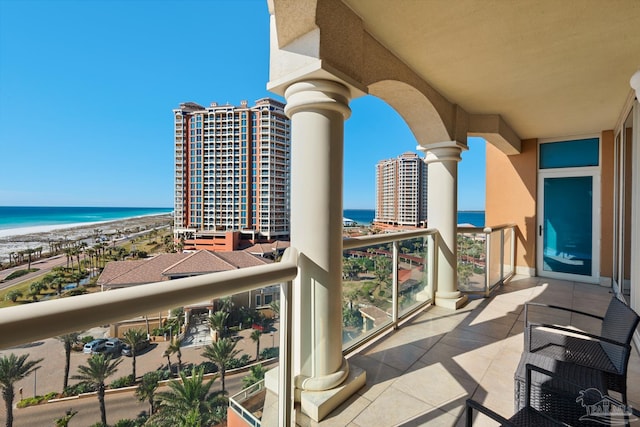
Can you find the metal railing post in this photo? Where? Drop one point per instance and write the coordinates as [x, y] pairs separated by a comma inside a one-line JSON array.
[[513, 251], [502, 254], [285, 383], [394, 283], [487, 261]]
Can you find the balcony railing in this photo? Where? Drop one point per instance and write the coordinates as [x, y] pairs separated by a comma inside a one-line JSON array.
[[485, 257], [385, 278]]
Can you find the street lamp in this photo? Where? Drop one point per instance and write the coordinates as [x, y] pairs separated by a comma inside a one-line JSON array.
[[273, 345]]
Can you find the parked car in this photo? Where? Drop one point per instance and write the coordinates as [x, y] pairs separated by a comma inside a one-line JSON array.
[[126, 349], [113, 346], [95, 346]]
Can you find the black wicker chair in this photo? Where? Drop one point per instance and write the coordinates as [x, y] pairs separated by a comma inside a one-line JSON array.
[[553, 400], [607, 352]]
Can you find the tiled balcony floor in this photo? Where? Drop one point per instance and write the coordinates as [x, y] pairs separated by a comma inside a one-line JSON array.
[[422, 373]]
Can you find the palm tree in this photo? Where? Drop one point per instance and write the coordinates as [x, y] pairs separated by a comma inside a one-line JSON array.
[[147, 389], [189, 402], [256, 374], [133, 337], [218, 321], [68, 340], [99, 368], [221, 352], [167, 354], [174, 347], [64, 420], [13, 295], [255, 337], [12, 369]]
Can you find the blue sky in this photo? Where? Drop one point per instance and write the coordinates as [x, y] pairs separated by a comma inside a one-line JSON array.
[[87, 90]]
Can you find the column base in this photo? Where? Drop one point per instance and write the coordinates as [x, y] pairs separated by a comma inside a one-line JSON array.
[[452, 303], [316, 405]]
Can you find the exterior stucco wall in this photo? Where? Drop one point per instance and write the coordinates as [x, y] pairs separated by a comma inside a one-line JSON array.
[[511, 186]]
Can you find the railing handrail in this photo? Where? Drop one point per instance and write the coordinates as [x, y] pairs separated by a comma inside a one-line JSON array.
[[376, 239], [488, 229], [28, 323], [499, 227], [247, 392]]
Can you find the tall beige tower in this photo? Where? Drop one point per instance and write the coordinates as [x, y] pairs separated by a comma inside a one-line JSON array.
[[401, 190], [232, 168]]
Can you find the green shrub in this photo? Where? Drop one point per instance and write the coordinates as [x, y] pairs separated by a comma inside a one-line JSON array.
[[87, 339], [123, 382], [36, 400], [19, 273], [209, 367], [80, 290], [74, 390], [239, 362], [269, 353]]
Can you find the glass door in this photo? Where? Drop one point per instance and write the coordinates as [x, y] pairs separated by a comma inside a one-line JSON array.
[[567, 226], [568, 241]]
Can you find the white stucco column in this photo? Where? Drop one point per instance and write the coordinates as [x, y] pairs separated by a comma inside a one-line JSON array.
[[317, 109], [442, 213]]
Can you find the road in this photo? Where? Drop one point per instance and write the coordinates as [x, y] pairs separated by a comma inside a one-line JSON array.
[[44, 266], [118, 406]]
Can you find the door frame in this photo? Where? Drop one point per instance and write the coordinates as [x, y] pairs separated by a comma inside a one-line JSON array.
[[594, 172]]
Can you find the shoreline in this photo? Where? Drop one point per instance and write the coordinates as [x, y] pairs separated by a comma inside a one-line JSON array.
[[18, 239], [47, 228]]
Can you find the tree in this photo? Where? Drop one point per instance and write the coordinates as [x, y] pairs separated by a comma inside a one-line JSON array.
[[134, 337], [256, 374], [218, 322], [147, 389], [13, 295], [12, 369], [64, 420], [68, 340], [221, 352], [189, 402], [255, 337], [167, 354], [99, 368], [174, 347]]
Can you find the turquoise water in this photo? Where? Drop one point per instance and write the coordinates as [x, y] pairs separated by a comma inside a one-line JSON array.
[[30, 216], [365, 216]]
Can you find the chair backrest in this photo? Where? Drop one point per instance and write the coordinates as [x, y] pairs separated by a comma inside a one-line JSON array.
[[619, 324]]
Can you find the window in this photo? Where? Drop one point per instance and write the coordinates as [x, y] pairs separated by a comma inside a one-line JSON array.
[[568, 154]]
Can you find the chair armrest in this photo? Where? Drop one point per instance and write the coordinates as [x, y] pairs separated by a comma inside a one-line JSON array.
[[555, 307], [472, 404], [576, 332]]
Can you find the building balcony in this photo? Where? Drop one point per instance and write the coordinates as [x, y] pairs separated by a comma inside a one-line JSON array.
[[421, 361]]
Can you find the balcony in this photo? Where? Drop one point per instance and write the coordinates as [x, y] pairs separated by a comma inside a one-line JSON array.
[[421, 361]]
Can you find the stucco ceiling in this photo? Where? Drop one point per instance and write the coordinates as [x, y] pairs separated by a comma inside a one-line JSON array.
[[550, 68]]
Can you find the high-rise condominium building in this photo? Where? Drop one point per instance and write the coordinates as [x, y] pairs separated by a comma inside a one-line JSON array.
[[401, 191], [232, 170]]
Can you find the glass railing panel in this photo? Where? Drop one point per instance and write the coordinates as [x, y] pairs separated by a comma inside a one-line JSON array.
[[495, 260], [414, 275], [472, 246], [508, 262], [366, 290]]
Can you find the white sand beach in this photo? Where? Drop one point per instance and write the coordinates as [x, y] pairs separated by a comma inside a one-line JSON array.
[[18, 239]]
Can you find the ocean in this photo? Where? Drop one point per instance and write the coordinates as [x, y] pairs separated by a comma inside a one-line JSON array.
[[33, 216], [365, 216]]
